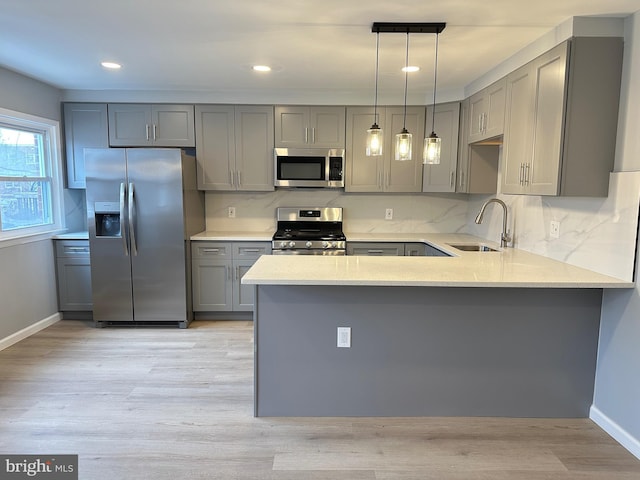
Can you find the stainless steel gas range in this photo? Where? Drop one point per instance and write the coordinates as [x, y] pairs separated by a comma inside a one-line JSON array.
[[309, 231]]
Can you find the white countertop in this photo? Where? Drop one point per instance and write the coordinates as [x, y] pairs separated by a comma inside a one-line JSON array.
[[506, 268], [233, 236]]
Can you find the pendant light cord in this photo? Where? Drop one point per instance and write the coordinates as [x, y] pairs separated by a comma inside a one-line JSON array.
[[406, 83], [435, 81], [375, 100]]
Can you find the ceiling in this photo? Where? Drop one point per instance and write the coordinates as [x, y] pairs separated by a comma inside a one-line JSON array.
[[313, 46]]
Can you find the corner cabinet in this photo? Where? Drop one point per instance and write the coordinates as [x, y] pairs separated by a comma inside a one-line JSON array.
[[486, 112], [383, 173], [309, 127], [145, 125], [86, 125], [442, 177], [561, 123], [73, 275], [217, 270], [234, 147]]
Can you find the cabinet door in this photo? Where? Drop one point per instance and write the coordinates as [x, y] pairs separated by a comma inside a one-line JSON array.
[[215, 147], [327, 127], [74, 284], [291, 126], [516, 150], [254, 148], [414, 249], [243, 295], [486, 112], [130, 125], [212, 285], [172, 126], [462, 172], [442, 177], [85, 126], [375, 249], [362, 173], [405, 176], [546, 155]]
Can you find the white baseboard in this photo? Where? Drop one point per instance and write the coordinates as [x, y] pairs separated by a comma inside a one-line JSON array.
[[618, 433], [28, 331]]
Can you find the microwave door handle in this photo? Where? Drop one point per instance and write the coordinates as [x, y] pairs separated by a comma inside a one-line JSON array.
[[123, 234], [132, 221]]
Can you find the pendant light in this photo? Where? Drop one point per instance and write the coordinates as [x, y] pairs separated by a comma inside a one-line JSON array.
[[433, 143], [374, 134], [404, 138]]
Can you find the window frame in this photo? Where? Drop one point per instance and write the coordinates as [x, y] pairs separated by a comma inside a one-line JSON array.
[[53, 170]]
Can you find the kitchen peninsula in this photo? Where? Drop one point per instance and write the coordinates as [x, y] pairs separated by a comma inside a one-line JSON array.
[[497, 333]]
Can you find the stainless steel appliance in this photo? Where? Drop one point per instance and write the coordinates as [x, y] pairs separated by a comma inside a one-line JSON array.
[[142, 207], [309, 231], [309, 167]]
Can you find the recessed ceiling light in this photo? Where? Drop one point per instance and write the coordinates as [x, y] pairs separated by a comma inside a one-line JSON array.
[[111, 65], [262, 68], [410, 69]]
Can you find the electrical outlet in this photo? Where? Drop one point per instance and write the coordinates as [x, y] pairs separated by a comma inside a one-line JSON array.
[[344, 337], [232, 212], [554, 229], [388, 214]]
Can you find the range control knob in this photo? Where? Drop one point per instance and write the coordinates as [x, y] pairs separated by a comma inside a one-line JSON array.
[[334, 244], [308, 244], [292, 244], [283, 244], [325, 245]]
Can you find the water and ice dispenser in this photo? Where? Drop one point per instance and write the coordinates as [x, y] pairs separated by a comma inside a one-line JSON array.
[[107, 218]]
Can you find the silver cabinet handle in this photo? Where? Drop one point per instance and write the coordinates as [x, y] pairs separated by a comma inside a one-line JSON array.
[[132, 222], [228, 273], [462, 179], [251, 250], [146, 127], [313, 135], [306, 135], [210, 250], [374, 251], [123, 235], [231, 178], [452, 181], [239, 178], [521, 176], [155, 131], [527, 171]]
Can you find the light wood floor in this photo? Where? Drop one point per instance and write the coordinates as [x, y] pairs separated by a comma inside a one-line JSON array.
[[165, 403]]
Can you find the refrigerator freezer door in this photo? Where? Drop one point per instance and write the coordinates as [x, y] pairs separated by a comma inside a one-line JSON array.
[[157, 220], [110, 266]]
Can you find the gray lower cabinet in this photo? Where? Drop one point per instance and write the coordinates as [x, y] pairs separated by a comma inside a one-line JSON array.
[[73, 275], [398, 249], [85, 126], [217, 270]]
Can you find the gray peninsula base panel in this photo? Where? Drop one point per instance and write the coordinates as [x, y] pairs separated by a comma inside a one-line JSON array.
[[425, 351]]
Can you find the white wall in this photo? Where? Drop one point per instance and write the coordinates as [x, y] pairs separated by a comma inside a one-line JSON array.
[[27, 271]]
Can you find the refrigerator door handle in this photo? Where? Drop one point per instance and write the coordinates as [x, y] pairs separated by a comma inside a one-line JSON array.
[[132, 223], [123, 193]]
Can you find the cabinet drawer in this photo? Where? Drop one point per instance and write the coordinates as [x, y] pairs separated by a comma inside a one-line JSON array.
[[375, 249], [251, 250], [72, 248], [210, 249]]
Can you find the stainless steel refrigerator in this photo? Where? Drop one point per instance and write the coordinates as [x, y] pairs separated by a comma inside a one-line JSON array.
[[142, 207]]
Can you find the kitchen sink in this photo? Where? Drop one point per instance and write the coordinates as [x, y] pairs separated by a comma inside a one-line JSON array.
[[473, 247]]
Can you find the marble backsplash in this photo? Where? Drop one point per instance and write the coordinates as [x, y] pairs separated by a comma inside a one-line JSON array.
[[595, 233]]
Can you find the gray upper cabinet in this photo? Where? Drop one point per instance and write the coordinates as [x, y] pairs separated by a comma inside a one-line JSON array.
[[309, 127], [486, 112], [561, 122], [85, 126], [383, 173], [234, 147], [144, 125], [442, 177]]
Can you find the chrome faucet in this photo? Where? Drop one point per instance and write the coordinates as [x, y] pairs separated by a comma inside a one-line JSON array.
[[505, 238]]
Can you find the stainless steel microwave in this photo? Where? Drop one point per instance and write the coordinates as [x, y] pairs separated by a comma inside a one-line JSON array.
[[309, 167]]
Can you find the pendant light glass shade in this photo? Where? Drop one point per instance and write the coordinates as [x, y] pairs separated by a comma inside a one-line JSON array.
[[374, 141], [431, 153], [403, 145], [432, 144], [404, 138], [374, 134]]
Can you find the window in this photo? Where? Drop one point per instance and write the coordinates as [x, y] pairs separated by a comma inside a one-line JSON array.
[[30, 186]]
